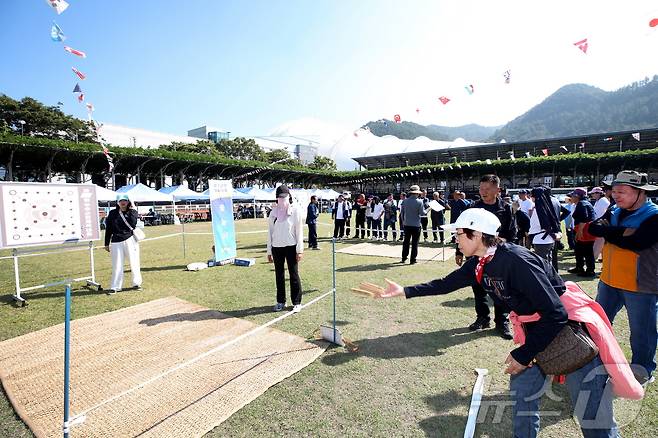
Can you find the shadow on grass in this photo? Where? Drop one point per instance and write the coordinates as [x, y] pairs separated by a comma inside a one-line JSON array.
[[365, 268], [406, 345], [9, 300], [466, 303], [164, 268]]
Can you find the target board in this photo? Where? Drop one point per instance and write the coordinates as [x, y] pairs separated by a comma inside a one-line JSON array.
[[35, 214]]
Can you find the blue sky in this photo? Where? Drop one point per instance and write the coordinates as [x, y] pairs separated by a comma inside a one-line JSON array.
[[251, 66]]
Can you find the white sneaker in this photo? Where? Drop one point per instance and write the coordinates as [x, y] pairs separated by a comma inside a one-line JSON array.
[[297, 308], [279, 307]]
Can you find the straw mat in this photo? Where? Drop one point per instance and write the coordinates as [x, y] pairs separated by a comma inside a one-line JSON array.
[[117, 351], [433, 253]]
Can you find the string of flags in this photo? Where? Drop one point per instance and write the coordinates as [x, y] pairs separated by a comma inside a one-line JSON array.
[[57, 35]]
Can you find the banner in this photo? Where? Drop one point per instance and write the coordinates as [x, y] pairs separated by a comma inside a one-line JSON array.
[[223, 228]]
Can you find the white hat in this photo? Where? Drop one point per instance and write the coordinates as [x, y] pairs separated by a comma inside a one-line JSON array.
[[477, 219]]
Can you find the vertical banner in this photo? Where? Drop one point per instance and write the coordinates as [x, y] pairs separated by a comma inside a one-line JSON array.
[[223, 229]]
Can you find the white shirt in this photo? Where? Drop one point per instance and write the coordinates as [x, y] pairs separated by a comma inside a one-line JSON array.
[[535, 228], [526, 206], [601, 207], [287, 232], [378, 211], [339, 210]]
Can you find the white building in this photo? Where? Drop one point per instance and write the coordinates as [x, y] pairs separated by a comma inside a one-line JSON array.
[[118, 135]]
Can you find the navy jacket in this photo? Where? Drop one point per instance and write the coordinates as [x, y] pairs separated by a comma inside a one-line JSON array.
[[312, 213]]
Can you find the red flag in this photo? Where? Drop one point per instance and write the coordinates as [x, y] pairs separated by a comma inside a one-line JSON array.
[[75, 52], [81, 75], [653, 22], [397, 118], [582, 45], [444, 100], [545, 151], [81, 97]]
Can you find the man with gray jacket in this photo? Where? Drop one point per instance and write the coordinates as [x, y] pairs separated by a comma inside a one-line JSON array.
[[410, 213]]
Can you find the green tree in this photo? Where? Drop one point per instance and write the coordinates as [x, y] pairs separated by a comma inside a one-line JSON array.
[[277, 156], [322, 163], [241, 148], [200, 147]]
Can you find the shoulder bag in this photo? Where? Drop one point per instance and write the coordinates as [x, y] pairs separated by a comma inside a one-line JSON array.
[[138, 233], [571, 349]]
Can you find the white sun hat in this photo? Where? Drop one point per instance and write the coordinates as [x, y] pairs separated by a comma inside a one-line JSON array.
[[477, 219]]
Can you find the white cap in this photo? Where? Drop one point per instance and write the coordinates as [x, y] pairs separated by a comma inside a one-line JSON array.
[[477, 219]]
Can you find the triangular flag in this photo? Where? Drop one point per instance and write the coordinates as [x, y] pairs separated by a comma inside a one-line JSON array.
[[58, 5], [507, 75], [81, 97], [564, 148], [636, 136], [444, 100], [56, 33], [545, 152], [90, 107], [470, 89], [653, 22], [77, 89], [81, 75], [582, 45], [75, 52]]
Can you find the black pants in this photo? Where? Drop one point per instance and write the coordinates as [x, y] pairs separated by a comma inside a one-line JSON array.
[[347, 227], [360, 227], [423, 223], [413, 234], [584, 256], [312, 235], [281, 255], [369, 224], [339, 228], [482, 306], [389, 224], [437, 221]]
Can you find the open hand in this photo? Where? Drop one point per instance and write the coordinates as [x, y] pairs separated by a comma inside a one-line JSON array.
[[299, 256], [107, 248], [269, 258], [513, 367]]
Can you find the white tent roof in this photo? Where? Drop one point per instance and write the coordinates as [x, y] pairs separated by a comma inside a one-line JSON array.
[[239, 196], [182, 193], [258, 194], [141, 193], [105, 195], [329, 194]]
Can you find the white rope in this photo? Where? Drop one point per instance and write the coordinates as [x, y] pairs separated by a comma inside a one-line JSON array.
[[195, 359]]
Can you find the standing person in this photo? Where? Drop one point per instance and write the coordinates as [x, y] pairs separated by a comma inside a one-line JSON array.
[[527, 207], [312, 213], [568, 224], [543, 303], [438, 218], [584, 249], [423, 218], [339, 213], [410, 212], [544, 224], [522, 224], [629, 277], [457, 206], [403, 196], [377, 214], [390, 216], [360, 208], [348, 204], [120, 243], [601, 205], [491, 201], [369, 215], [285, 244]]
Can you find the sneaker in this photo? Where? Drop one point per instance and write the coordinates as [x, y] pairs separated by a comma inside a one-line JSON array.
[[647, 381], [137, 287], [315, 248], [279, 307], [575, 271], [112, 291], [403, 261], [413, 262], [480, 323], [505, 330], [296, 308]]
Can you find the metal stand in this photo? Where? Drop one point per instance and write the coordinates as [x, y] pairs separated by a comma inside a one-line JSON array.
[[332, 334], [17, 253], [67, 350]]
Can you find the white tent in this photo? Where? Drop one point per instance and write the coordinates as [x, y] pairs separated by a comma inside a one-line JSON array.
[[258, 194], [236, 196], [329, 194], [105, 195], [182, 193], [140, 193]]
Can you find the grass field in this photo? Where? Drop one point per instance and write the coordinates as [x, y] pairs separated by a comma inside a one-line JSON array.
[[412, 376]]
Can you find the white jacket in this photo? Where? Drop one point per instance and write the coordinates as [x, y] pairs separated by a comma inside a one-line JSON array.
[[287, 232]]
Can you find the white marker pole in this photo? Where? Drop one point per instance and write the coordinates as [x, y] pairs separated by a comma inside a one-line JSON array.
[[476, 400]]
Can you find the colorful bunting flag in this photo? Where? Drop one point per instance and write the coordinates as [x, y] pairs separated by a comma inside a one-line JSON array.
[[607, 139], [545, 152], [75, 52], [56, 33], [81, 97], [653, 22], [564, 148], [582, 45], [77, 89], [81, 75], [470, 89], [58, 6], [508, 76], [397, 118], [444, 100], [636, 136]]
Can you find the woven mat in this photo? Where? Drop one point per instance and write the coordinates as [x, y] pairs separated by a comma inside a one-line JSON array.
[[434, 253], [117, 351]]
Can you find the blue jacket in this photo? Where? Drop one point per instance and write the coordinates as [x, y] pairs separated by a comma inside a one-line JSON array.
[[312, 213]]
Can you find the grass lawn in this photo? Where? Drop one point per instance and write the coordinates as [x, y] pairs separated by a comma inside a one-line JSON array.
[[412, 376]]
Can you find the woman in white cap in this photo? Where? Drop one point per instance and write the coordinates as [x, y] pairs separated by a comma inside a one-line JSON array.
[[541, 302], [121, 243]]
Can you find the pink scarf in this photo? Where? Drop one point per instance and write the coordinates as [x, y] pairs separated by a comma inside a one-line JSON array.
[[282, 210], [580, 307]]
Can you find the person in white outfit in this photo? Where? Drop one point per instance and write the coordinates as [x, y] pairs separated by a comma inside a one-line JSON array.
[[285, 245], [120, 243], [601, 204]]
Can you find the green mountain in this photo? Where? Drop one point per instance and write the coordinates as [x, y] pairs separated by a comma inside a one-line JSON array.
[[582, 109], [410, 130], [574, 109]]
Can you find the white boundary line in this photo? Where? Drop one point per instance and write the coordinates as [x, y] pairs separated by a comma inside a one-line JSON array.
[[82, 414]]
